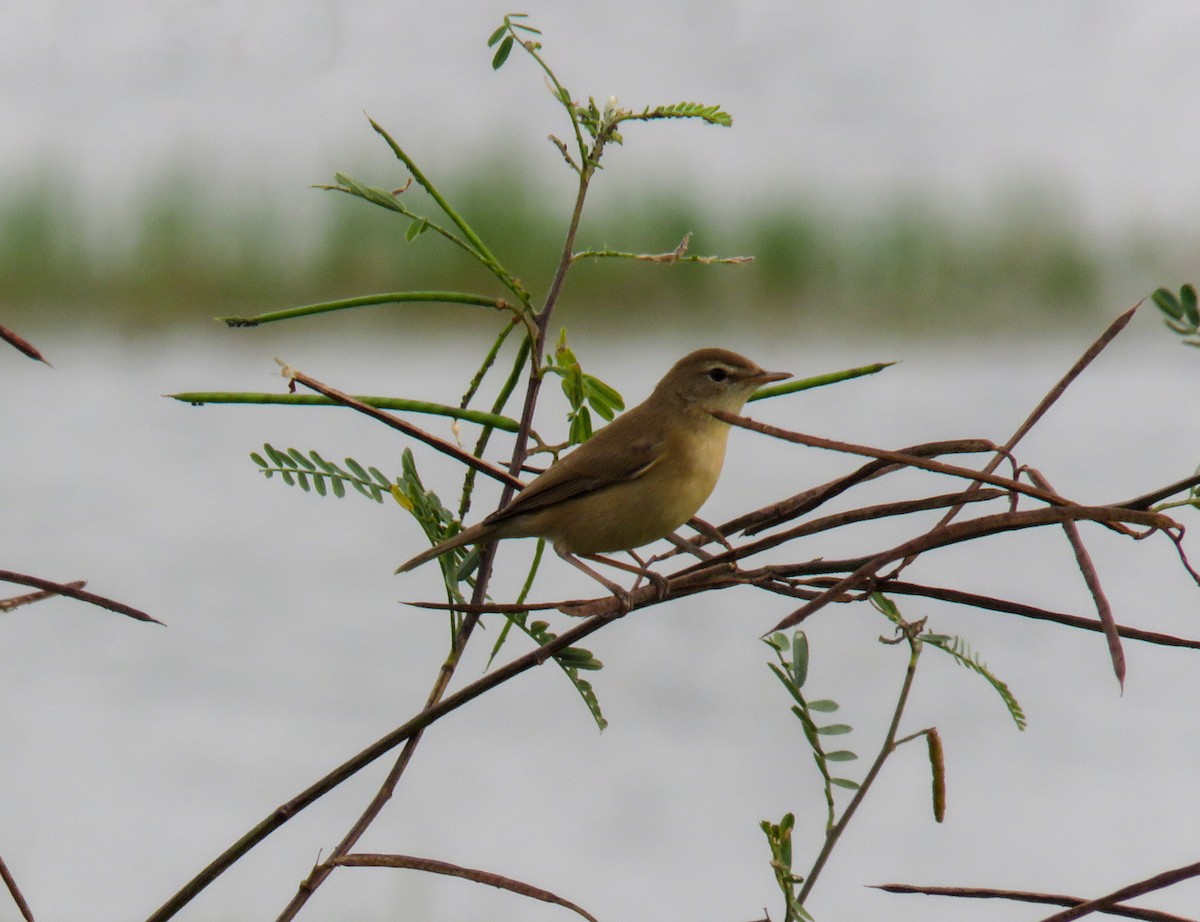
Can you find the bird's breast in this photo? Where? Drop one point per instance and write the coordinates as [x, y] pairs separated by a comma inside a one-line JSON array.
[[652, 505]]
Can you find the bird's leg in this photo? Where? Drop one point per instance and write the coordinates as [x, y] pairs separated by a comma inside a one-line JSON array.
[[620, 592], [642, 570], [657, 579]]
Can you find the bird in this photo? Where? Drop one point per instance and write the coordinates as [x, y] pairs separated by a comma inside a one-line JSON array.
[[637, 479]]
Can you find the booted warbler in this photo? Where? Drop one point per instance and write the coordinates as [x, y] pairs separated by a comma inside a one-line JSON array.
[[640, 477]]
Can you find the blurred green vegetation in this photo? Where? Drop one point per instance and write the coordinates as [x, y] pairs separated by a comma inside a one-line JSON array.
[[179, 258]]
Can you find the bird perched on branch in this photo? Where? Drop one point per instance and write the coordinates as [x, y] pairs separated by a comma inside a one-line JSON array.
[[637, 479]]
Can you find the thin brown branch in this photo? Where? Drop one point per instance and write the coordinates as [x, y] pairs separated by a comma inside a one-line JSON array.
[[295, 376], [990, 603], [1129, 892], [1052, 396], [1025, 896], [894, 457], [322, 871], [71, 591], [957, 532], [1074, 372], [365, 860], [537, 330], [1149, 499], [380, 747], [15, 892], [495, 608], [1177, 537], [1088, 569], [794, 506], [21, 344], [29, 598], [850, 517]]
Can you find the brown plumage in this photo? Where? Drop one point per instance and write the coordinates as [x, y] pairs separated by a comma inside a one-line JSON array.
[[637, 479]]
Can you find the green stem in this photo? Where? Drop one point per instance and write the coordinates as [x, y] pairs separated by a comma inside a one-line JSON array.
[[506, 390], [469, 232], [491, 420], [889, 746], [393, 297], [560, 91]]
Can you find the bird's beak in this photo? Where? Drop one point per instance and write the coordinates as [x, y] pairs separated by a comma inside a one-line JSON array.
[[766, 377]]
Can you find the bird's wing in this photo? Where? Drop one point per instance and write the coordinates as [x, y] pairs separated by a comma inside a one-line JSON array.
[[582, 473]]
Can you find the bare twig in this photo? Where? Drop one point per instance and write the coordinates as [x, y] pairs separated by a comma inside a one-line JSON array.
[[1055, 393], [1149, 499], [1103, 609], [21, 344], [990, 603], [1132, 891], [29, 598], [840, 519], [410, 728], [1025, 896], [761, 519], [892, 457], [671, 256], [15, 892], [295, 376], [965, 531], [365, 860], [71, 591]]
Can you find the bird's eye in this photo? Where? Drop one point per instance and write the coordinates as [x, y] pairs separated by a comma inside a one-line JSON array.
[[718, 373]]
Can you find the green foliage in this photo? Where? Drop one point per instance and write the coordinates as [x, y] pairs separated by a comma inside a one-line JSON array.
[[1182, 314], [502, 39], [311, 471], [581, 388], [714, 115], [779, 839], [792, 672], [897, 266], [961, 652], [957, 648], [572, 661]]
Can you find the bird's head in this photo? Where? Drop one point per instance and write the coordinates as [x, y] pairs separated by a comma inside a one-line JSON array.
[[715, 379]]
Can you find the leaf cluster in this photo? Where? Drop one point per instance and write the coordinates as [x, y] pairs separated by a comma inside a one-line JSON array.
[[311, 471], [582, 391], [792, 671], [779, 840], [960, 651], [1182, 313]]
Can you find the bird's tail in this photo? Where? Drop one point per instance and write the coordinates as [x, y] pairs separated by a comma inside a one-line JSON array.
[[472, 535]]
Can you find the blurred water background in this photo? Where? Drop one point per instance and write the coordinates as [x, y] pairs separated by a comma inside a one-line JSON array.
[[974, 191]]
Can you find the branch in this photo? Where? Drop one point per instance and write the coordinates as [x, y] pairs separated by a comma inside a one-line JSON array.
[[449, 448], [893, 457], [1103, 609], [990, 603], [409, 729], [365, 860], [1132, 891], [956, 532], [72, 591], [22, 345], [15, 892], [1025, 896]]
